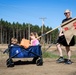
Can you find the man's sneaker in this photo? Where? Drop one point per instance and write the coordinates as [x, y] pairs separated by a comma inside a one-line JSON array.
[[60, 60], [68, 62]]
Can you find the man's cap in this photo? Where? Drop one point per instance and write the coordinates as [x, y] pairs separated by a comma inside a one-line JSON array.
[[66, 11]]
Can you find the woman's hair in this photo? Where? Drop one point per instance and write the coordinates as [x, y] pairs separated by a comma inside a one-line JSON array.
[[35, 34]]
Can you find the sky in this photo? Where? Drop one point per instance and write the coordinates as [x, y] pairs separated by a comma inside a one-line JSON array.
[[31, 11]]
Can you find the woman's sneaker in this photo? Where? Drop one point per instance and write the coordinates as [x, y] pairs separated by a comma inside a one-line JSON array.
[[60, 60], [68, 62]]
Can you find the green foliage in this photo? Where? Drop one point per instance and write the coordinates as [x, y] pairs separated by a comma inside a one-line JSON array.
[[19, 31], [54, 35]]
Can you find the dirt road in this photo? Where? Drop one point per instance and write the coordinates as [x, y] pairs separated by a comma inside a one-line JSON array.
[[50, 67]]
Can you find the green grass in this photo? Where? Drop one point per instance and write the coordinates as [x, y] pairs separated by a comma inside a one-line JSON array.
[[49, 55], [52, 55]]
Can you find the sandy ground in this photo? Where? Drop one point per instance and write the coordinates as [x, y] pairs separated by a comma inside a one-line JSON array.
[[50, 67]]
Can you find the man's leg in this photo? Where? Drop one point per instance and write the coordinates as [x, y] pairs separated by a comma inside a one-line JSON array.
[[61, 59], [68, 55]]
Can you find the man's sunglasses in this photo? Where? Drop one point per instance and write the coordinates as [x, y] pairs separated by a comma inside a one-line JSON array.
[[66, 13]]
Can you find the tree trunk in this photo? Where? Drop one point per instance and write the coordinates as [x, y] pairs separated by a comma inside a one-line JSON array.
[[17, 33], [47, 39], [13, 32], [20, 35], [24, 33], [6, 37], [50, 38], [1, 35]]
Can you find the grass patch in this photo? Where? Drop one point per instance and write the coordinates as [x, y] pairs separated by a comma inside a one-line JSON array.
[[49, 55], [52, 55], [73, 56]]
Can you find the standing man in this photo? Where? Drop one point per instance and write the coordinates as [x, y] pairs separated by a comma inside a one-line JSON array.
[[62, 41]]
